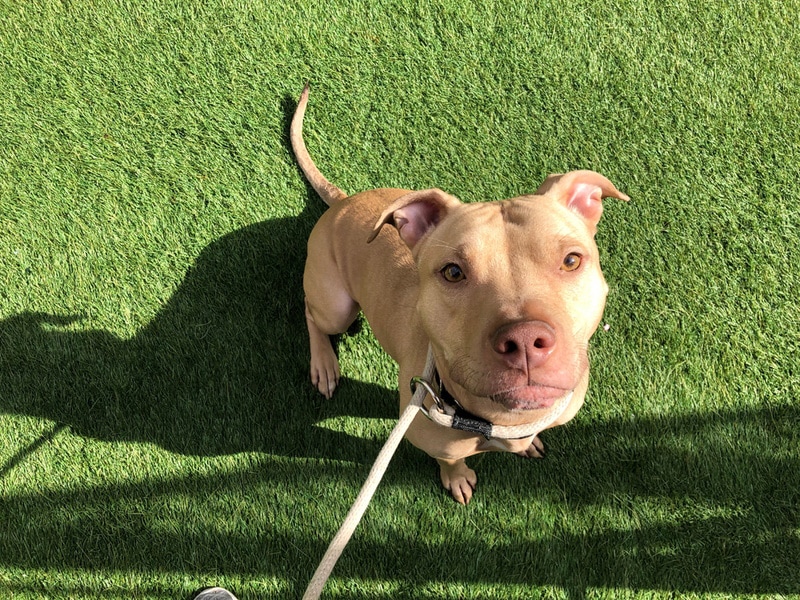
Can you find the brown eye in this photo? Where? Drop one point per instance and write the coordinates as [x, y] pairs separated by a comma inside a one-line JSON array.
[[571, 262], [452, 273]]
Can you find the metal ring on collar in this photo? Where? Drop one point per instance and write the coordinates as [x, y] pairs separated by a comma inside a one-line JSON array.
[[415, 381]]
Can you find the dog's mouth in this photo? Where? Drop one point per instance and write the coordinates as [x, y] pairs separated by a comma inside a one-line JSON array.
[[529, 397]]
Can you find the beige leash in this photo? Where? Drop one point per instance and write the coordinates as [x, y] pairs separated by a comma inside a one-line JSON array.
[[438, 413], [342, 536]]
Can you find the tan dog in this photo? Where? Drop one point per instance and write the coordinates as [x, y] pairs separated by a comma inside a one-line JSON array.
[[506, 295]]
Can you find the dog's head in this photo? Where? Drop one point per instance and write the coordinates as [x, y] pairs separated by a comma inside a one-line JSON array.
[[510, 291]]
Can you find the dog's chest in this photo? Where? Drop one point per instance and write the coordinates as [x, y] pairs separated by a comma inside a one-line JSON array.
[[495, 445]]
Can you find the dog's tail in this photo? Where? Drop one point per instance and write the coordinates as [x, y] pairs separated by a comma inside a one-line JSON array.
[[327, 191]]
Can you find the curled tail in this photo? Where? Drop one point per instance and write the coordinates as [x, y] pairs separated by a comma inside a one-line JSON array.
[[327, 191]]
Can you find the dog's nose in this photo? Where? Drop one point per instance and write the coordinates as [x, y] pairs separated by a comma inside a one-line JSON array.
[[525, 345]]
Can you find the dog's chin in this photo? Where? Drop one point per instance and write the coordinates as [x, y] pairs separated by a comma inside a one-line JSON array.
[[529, 397]]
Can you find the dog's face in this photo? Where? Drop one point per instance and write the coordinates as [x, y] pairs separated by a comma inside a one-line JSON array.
[[512, 291]]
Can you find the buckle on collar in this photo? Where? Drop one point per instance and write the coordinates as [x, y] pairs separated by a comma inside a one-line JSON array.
[[446, 404], [415, 381]]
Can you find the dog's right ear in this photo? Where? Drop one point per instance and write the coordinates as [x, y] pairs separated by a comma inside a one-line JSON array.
[[415, 213], [582, 192]]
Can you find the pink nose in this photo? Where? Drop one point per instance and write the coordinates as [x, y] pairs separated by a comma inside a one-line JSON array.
[[526, 345]]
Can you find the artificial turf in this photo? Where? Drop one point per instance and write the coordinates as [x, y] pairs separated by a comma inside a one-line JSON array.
[[157, 430]]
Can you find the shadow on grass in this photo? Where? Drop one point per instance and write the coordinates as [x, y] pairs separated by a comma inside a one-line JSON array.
[[221, 369], [746, 542]]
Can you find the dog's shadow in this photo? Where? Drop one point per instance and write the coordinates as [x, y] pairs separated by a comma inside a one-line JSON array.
[[221, 369]]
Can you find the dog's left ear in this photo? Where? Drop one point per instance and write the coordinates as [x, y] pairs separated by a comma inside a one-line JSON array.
[[582, 192], [416, 213]]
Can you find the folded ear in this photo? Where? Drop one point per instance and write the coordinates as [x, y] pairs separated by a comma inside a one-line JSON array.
[[582, 192], [415, 213]]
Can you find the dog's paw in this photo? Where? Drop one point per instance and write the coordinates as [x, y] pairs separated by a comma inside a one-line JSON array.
[[535, 450], [459, 480], [325, 371]]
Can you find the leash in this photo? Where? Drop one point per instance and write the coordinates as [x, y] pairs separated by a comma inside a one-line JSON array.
[[445, 413], [353, 517]]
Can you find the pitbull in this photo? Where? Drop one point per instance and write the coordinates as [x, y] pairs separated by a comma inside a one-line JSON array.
[[504, 295]]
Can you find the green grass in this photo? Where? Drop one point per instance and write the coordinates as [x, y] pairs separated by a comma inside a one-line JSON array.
[[157, 431]]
